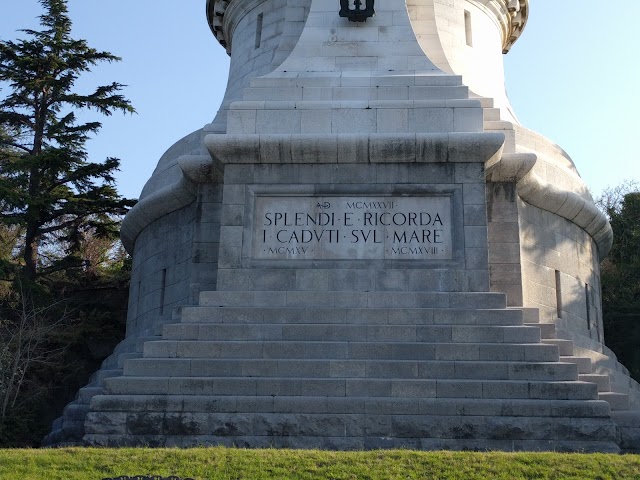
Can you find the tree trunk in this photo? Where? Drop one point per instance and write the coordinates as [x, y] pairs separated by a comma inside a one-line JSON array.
[[32, 217], [30, 255]]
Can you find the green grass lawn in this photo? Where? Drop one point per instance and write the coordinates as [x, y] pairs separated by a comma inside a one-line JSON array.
[[223, 463]]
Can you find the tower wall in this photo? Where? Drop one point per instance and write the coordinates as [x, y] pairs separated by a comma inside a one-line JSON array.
[[468, 38], [161, 272], [259, 35]]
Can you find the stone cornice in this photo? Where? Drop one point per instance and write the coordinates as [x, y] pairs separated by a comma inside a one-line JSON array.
[[215, 17], [512, 17], [533, 188], [373, 148], [223, 16], [195, 169], [344, 149]]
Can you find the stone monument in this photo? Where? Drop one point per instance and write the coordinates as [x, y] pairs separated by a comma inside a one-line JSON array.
[[365, 249]]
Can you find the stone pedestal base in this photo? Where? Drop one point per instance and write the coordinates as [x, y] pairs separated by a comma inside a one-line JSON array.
[[280, 369]]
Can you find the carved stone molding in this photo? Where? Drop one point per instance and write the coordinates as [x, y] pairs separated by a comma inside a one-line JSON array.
[[520, 168], [215, 13], [511, 14]]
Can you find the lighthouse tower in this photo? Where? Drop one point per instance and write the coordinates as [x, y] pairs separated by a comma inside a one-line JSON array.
[[364, 249]]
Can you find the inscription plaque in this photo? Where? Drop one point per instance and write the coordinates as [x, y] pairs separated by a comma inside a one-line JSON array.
[[352, 227]]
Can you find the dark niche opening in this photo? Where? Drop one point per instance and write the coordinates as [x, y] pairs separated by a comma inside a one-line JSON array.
[[357, 13]]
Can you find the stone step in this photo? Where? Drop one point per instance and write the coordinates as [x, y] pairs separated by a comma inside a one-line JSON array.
[[584, 364], [603, 381], [565, 347], [75, 411], [603, 363], [355, 333], [617, 401], [534, 352], [405, 369], [345, 315], [350, 405], [337, 80], [140, 341], [85, 394], [406, 388], [68, 429], [355, 443], [286, 101], [472, 300], [529, 315], [69, 434], [72, 431], [629, 423], [339, 431], [486, 102], [547, 330], [57, 424], [52, 439], [491, 114], [498, 125], [342, 93], [98, 377], [125, 356]]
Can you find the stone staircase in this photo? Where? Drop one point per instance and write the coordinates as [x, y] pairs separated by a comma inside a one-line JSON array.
[[566, 350], [626, 417], [68, 429], [353, 370]]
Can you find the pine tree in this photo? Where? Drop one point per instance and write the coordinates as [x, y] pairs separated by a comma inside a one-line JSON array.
[[49, 188]]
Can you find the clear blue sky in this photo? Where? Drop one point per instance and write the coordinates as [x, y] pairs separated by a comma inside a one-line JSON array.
[[573, 77]]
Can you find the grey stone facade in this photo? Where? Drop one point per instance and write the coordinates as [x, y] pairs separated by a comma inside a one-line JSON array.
[[484, 332]]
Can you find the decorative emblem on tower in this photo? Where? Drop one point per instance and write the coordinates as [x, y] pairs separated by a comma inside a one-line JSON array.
[[357, 14]]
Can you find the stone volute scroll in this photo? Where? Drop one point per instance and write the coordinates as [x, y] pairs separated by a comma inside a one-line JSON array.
[[357, 14]]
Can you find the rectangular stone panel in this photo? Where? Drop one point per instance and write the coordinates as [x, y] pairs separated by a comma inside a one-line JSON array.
[[298, 227]]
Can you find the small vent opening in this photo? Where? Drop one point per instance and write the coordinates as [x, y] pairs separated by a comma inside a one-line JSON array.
[[259, 21], [558, 295], [467, 28], [587, 297], [162, 291]]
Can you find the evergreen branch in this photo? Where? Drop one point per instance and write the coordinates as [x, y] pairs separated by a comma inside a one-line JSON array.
[[15, 145]]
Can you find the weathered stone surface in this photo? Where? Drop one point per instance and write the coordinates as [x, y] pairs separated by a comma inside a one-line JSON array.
[[375, 328], [260, 378], [370, 429]]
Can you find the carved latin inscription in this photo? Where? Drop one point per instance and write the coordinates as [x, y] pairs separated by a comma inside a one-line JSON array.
[[351, 228]]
